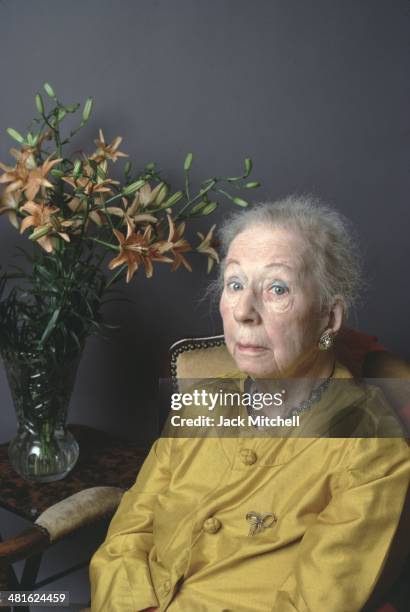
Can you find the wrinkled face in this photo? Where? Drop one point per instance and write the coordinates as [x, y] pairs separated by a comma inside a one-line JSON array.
[[270, 303]]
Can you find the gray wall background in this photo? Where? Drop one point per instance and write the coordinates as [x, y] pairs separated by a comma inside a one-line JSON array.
[[316, 92]]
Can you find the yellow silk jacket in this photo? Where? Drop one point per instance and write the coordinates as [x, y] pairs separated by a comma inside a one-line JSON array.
[[185, 539]]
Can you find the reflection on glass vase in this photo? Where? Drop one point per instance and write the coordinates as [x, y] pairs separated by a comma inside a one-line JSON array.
[[43, 449]]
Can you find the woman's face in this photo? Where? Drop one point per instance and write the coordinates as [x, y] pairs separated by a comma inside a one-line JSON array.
[[270, 303]]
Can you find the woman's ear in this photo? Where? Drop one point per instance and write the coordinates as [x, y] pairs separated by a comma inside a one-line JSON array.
[[336, 315]]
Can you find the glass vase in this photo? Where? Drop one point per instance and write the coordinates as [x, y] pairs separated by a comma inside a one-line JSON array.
[[43, 449]]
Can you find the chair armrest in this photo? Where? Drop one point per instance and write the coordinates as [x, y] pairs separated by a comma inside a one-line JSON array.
[[60, 520], [30, 542], [78, 510]]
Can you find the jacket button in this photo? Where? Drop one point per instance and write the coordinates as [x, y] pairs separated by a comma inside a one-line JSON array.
[[212, 525], [248, 456]]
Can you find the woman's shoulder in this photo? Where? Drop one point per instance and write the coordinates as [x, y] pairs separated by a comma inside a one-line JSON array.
[[360, 409]]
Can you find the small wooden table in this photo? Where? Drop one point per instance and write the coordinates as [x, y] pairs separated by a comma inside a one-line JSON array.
[[104, 460]]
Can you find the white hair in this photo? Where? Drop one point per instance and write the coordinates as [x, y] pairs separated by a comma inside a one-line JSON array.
[[329, 234]]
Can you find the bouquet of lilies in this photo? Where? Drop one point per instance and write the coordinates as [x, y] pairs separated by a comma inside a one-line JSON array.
[[77, 215]]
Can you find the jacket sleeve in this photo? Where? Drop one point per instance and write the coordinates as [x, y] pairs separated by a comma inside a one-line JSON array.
[[119, 572], [344, 552]]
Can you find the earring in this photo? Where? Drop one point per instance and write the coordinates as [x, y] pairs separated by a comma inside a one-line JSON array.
[[326, 341]]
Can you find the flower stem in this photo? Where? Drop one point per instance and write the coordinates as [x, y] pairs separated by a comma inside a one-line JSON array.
[[115, 276], [197, 197], [113, 247]]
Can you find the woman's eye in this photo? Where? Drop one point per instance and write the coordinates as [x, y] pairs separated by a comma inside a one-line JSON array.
[[278, 289], [234, 286]]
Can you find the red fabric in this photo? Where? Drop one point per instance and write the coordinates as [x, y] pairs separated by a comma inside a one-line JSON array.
[[352, 347]]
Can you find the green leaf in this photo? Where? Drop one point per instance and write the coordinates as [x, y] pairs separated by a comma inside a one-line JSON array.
[[46, 274], [50, 326], [248, 166], [14, 134], [43, 292], [109, 326], [39, 104], [75, 338], [240, 202], [49, 90], [209, 208], [127, 167], [188, 162], [101, 172], [56, 173], [87, 109]]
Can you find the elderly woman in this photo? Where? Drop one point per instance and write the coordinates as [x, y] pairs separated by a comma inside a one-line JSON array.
[[280, 524]]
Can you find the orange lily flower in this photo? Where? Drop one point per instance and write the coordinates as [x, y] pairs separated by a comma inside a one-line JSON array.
[[37, 178], [85, 184], [26, 175], [25, 157], [16, 176], [206, 247], [136, 249], [147, 196], [78, 205], [41, 217], [107, 151], [179, 245], [9, 205]]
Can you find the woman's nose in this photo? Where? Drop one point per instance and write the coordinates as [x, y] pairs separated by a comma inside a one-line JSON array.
[[246, 308]]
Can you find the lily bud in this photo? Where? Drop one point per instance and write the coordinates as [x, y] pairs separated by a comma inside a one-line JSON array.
[[240, 202], [49, 90], [39, 104], [252, 185], [77, 168], [129, 189], [162, 194], [188, 162], [71, 108], [198, 207], [174, 198], [41, 231], [248, 166], [14, 134], [87, 109], [209, 208]]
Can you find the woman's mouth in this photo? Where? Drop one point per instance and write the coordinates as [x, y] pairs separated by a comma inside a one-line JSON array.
[[251, 349]]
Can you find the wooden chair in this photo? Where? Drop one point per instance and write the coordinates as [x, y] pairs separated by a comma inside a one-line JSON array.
[[89, 495], [198, 358], [202, 358]]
